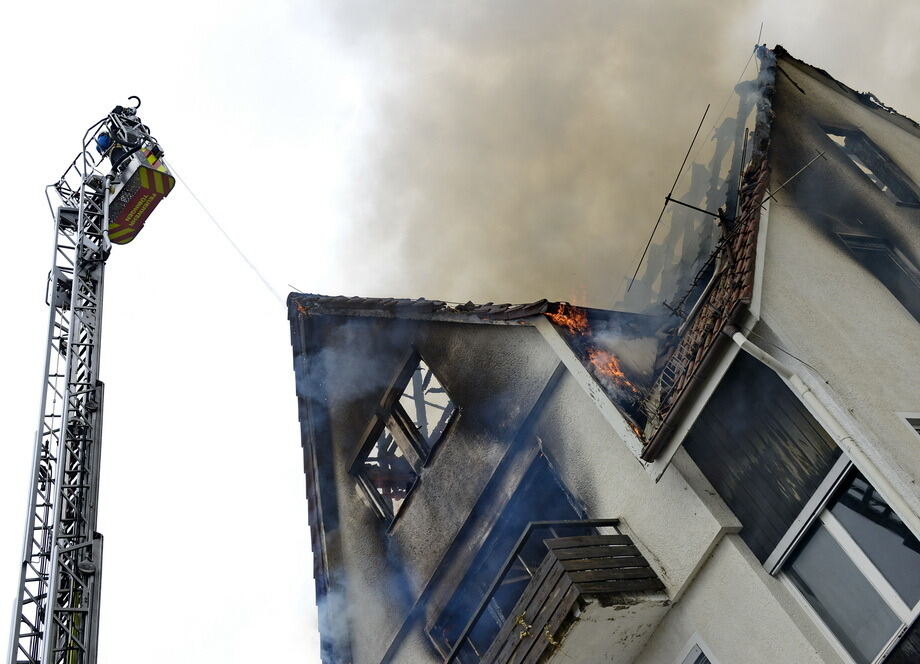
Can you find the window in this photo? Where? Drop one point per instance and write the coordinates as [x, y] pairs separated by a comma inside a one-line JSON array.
[[414, 418], [889, 266], [914, 423], [858, 567], [424, 400], [875, 165], [539, 497], [387, 473], [695, 656]]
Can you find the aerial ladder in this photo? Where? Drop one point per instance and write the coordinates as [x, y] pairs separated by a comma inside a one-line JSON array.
[[103, 198]]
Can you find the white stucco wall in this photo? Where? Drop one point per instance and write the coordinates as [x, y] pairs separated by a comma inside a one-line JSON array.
[[741, 614]]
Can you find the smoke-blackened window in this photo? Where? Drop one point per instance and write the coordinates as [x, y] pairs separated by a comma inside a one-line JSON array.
[[427, 404], [875, 165], [414, 416], [387, 473], [889, 266]]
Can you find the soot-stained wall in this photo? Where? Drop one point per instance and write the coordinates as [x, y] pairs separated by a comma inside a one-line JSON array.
[[493, 373]]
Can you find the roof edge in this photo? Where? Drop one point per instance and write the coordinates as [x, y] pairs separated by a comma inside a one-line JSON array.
[[868, 99], [310, 304]]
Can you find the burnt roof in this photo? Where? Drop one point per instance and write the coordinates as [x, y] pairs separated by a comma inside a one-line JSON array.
[[723, 304], [387, 307], [865, 98], [698, 346]]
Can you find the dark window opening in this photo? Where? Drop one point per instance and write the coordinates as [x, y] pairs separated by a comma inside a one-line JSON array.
[[696, 656], [539, 497], [426, 404], [914, 423], [387, 473], [875, 165], [907, 651], [889, 266], [403, 437]]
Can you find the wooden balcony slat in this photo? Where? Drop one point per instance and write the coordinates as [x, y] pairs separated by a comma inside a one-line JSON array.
[[529, 604], [552, 624], [586, 540], [603, 563], [625, 585], [574, 568], [596, 552], [536, 643], [612, 574]]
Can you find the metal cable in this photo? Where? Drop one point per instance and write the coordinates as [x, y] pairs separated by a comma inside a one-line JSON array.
[[226, 235]]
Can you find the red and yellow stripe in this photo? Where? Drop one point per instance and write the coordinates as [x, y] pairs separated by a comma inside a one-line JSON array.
[[155, 182]]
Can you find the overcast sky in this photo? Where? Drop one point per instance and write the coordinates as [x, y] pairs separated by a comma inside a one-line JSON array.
[[493, 150]]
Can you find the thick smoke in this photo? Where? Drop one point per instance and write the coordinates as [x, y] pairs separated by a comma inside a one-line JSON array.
[[522, 149]]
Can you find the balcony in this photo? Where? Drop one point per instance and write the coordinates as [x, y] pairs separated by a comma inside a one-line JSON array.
[[593, 597]]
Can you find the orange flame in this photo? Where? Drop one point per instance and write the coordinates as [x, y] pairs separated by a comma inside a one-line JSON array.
[[574, 319], [608, 365], [636, 430]]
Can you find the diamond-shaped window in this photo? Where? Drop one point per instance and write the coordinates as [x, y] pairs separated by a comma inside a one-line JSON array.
[[414, 419], [427, 404], [388, 473]]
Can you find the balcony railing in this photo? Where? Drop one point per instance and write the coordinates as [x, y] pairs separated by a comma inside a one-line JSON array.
[[588, 564]]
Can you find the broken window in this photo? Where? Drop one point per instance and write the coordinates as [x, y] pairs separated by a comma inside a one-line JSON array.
[[414, 418], [889, 266], [387, 473], [875, 165], [426, 403]]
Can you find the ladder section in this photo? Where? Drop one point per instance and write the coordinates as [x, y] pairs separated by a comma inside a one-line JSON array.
[[56, 616]]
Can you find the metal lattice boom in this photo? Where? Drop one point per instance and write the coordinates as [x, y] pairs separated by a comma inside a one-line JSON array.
[[57, 608]]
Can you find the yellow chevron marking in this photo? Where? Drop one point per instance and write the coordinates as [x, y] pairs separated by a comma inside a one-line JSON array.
[[118, 234]]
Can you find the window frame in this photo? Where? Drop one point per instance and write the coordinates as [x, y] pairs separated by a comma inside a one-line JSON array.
[[401, 416], [861, 246], [695, 643], [912, 420], [390, 414], [896, 172], [816, 510], [357, 470]]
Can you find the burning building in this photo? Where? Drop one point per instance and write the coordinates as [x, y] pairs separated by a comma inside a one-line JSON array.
[[731, 478]]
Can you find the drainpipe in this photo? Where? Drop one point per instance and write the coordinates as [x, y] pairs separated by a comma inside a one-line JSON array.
[[833, 427]]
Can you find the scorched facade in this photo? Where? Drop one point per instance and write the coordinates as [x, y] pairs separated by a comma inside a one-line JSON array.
[[729, 480]]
